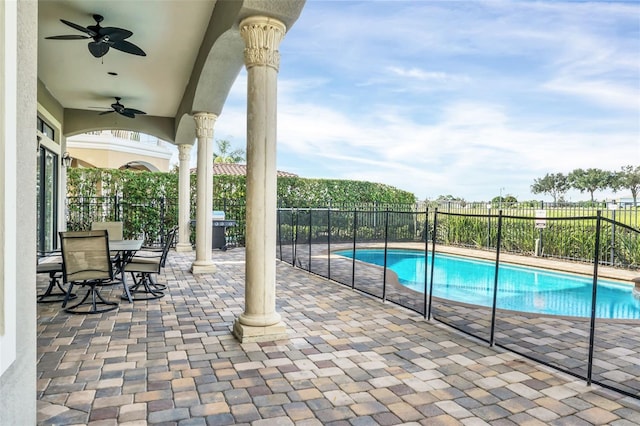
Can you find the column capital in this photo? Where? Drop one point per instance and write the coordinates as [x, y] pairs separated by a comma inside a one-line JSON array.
[[204, 124], [184, 151], [262, 36]]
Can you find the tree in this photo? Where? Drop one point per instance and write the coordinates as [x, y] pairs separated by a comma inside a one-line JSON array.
[[446, 199], [554, 184], [628, 178], [590, 180], [507, 200], [226, 156]]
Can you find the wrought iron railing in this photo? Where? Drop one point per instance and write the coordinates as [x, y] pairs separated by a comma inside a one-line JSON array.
[[150, 219]]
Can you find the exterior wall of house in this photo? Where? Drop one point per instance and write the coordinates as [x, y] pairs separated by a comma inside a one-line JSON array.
[[18, 34], [107, 151]]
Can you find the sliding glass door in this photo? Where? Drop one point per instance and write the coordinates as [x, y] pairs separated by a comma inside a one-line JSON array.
[[47, 203]]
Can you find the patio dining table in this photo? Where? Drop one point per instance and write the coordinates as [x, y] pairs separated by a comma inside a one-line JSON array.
[[126, 250]]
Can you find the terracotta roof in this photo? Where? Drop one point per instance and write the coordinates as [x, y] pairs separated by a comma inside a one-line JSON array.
[[235, 169]]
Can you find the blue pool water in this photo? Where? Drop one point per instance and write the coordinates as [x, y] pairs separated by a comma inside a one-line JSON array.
[[519, 288]]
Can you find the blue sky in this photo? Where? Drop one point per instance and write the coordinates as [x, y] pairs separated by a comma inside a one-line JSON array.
[[451, 97]]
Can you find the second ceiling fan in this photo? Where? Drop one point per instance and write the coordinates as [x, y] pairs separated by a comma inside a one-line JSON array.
[[122, 110], [103, 38]]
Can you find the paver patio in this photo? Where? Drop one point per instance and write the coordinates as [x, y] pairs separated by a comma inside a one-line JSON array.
[[349, 360]]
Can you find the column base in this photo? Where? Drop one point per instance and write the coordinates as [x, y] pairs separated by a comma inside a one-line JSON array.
[[203, 267], [247, 333], [183, 247]]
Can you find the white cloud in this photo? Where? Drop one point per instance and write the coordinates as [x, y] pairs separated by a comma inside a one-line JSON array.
[[422, 75], [460, 98], [608, 94]]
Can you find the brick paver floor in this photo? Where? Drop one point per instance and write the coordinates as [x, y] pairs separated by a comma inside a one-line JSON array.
[[349, 360]]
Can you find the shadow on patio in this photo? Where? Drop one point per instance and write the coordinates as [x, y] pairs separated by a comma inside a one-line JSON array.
[[349, 360]]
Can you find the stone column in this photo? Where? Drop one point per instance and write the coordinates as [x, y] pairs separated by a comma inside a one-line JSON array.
[[184, 204], [204, 193], [260, 321]]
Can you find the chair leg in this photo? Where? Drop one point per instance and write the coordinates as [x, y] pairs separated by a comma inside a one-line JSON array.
[[155, 284], [96, 299], [49, 296], [68, 296], [143, 286]]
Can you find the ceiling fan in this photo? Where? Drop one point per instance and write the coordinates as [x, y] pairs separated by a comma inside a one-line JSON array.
[[103, 38], [120, 109]]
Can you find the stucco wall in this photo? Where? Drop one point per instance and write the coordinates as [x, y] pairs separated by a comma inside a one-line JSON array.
[[18, 383], [108, 159]]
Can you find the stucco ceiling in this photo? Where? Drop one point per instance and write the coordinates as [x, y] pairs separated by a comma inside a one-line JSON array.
[[170, 33], [178, 37]]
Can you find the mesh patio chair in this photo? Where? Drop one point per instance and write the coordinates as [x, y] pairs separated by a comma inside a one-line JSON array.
[[50, 263], [114, 229], [144, 265], [86, 262]]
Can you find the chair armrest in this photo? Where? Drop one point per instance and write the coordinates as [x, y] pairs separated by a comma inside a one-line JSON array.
[[147, 254]]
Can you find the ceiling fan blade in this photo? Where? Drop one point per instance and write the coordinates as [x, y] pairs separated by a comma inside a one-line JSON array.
[[98, 49], [115, 34], [134, 111], [68, 37], [106, 112], [127, 113], [79, 28], [128, 47]]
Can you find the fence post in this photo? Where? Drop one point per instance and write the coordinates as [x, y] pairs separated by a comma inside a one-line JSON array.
[[353, 263], [294, 252], [329, 243], [116, 208], [488, 226], [495, 281], [612, 253], [163, 215], [384, 271], [310, 228], [279, 212], [433, 259], [426, 255], [594, 294]]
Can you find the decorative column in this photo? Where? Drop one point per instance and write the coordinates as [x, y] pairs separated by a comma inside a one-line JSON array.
[[184, 202], [260, 321], [204, 193]]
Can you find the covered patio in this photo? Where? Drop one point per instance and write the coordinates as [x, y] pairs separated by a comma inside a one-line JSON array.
[[160, 68], [347, 359]]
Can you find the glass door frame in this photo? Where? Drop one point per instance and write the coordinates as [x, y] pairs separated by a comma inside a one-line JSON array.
[[48, 188]]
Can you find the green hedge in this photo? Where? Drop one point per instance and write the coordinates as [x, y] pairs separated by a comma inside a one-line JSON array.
[[147, 201]]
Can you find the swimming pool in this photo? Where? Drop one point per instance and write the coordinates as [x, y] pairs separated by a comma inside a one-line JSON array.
[[520, 288]]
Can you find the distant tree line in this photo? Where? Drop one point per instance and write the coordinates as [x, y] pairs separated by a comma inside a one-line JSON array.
[[590, 180], [557, 185]]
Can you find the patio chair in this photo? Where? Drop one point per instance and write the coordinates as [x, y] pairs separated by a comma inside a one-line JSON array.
[[86, 262], [114, 229], [52, 265], [144, 265]]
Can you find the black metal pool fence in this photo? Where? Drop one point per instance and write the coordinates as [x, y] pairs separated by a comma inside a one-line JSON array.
[[600, 351]]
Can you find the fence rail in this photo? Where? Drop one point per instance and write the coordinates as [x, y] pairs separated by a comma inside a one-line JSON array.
[[579, 345]]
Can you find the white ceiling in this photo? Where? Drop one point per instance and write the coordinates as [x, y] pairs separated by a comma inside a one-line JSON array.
[[193, 54], [170, 33]]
